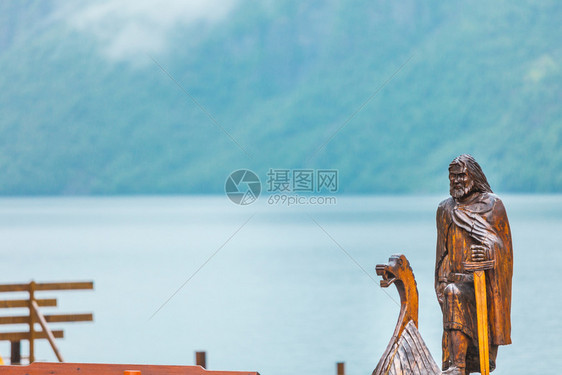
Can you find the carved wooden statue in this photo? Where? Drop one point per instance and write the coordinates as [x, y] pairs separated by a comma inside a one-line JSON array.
[[473, 272]]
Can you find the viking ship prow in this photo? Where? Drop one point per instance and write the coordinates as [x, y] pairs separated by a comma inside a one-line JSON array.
[[406, 352]]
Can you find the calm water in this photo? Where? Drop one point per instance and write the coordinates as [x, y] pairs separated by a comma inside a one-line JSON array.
[[280, 297]]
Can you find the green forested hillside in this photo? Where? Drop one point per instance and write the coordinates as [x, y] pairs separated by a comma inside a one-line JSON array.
[[281, 78]]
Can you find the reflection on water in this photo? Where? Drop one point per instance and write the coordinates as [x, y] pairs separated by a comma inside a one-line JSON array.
[[280, 296]]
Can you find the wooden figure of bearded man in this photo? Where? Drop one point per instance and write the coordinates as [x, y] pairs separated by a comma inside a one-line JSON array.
[[472, 225]]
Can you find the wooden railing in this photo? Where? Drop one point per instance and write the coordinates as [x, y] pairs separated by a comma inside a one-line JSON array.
[[36, 317]]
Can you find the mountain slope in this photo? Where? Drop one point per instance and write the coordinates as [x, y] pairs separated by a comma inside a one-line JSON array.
[[386, 93]]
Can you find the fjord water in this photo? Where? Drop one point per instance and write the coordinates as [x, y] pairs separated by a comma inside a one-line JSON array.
[[292, 290]]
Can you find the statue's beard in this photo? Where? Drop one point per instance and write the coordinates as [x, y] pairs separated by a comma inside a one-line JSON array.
[[459, 192]]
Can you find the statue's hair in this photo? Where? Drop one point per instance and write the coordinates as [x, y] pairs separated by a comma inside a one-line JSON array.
[[475, 171]]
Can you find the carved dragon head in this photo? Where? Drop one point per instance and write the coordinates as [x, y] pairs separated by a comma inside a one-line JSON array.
[[398, 272], [398, 268]]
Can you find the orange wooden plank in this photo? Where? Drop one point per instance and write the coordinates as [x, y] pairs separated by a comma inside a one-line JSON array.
[[48, 302], [22, 319], [18, 336], [75, 285], [14, 287], [57, 318], [54, 318], [110, 369], [46, 330]]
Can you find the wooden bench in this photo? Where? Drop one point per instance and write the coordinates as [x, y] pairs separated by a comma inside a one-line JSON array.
[[35, 316]]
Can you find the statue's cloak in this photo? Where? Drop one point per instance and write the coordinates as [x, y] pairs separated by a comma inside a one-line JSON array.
[[481, 221]]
